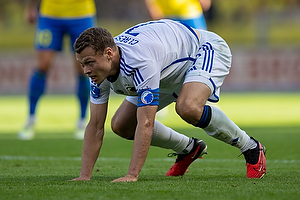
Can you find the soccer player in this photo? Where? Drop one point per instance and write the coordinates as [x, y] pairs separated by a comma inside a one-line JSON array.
[[56, 19], [189, 12], [154, 64]]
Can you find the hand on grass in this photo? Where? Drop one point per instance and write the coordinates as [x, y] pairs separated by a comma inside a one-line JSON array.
[[127, 178], [80, 179]]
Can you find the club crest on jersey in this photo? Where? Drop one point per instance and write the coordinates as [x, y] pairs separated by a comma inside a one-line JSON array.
[[95, 92], [147, 97]]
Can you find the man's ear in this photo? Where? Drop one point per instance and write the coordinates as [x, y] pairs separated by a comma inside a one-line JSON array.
[[108, 52]]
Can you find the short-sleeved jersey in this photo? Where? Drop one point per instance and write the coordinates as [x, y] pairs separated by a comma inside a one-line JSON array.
[[67, 8], [179, 8], [154, 58]]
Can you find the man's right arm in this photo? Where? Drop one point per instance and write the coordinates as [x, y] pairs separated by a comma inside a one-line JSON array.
[[154, 10], [205, 4], [31, 11], [93, 139]]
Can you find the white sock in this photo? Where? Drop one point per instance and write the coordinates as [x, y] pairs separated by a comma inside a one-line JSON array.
[[188, 148], [30, 121], [81, 124], [222, 128], [250, 145], [167, 138]]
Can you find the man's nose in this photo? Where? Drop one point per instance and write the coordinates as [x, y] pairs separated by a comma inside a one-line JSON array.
[[86, 70]]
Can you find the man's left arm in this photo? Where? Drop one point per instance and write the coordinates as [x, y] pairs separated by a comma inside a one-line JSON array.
[[142, 140]]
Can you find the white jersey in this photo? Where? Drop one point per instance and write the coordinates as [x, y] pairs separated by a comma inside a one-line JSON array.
[[155, 58]]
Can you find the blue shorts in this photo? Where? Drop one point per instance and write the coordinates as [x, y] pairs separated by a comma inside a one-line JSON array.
[[50, 31], [196, 23]]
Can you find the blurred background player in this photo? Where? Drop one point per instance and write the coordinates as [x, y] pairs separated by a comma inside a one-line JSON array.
[[55, 18], [189, 12]]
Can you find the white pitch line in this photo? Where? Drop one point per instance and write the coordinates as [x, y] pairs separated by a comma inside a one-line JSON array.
[[8, 157]]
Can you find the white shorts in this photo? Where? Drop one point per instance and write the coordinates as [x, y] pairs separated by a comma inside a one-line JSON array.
[[212, 65], [210, 68]]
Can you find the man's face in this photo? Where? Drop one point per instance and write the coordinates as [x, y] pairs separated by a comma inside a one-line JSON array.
[[96, 66]]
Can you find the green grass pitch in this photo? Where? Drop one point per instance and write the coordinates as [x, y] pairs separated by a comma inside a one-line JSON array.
[[41, 168]]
